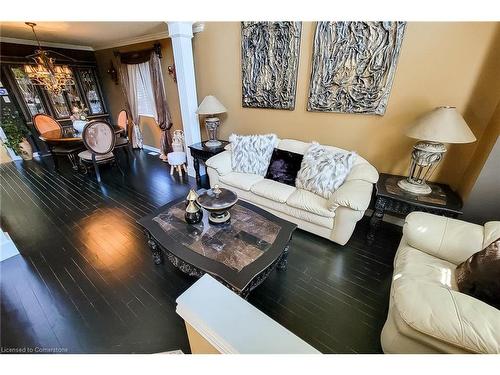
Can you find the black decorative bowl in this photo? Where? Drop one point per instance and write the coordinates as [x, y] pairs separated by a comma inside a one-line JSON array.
[[218, 201]]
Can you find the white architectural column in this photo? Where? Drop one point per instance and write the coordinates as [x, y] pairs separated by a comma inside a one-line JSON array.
[[181, 34]]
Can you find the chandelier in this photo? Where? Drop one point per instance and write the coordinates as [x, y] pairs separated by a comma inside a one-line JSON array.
[[53, 78]]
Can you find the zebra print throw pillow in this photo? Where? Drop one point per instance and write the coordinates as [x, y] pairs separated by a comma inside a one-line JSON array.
[[251, 153], [323, 171]]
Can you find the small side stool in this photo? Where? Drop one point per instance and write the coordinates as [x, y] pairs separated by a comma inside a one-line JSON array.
[[177, 161]]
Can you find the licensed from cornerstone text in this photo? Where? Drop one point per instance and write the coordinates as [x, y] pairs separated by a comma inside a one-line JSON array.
[[31, 350]]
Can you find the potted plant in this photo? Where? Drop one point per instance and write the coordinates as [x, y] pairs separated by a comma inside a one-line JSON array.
[[16, 133]]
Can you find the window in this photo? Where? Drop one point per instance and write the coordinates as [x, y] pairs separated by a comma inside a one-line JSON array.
[[140, 78], [145, 103]]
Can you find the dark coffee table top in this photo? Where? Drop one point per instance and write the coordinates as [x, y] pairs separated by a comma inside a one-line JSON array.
[[235, 252]]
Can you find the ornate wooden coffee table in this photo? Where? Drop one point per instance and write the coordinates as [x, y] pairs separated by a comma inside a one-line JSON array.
[[240, 254]]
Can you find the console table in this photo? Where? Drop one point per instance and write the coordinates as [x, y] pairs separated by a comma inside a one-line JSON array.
[[391, 198], [201, 152]]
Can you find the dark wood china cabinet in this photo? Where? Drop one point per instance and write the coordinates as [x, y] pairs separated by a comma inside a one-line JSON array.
[[33, 99]]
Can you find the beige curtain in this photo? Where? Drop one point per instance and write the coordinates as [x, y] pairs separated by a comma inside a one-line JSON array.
[[128, 88], [163, 117]]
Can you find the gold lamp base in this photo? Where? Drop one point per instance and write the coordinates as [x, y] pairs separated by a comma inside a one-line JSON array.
[[212, 124], [425, 157]]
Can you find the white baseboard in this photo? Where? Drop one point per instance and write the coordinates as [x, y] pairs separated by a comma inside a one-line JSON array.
[[151, 148]]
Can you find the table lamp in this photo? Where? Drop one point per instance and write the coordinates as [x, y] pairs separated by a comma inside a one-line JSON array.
[[441, 125], [211, 106]]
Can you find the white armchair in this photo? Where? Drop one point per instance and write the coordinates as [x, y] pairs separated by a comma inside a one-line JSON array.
[[427, 313]]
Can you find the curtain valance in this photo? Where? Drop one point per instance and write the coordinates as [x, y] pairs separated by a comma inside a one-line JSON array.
[[139, 57]]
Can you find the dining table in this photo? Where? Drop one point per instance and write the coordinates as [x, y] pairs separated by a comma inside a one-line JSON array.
[[68, 135], [70, 140]]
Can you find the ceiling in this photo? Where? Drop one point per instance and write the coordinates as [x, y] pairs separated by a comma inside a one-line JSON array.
[[93, 35]]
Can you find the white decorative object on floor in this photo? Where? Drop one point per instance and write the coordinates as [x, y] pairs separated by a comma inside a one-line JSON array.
[[177, 161], [220, 321], [178, 141], [334, 218], [78, 125]]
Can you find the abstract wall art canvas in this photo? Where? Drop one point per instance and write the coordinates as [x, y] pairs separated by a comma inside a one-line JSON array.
[[353, 66], [270, 59]]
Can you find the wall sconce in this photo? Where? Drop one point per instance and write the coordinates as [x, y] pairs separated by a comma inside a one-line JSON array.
[[113, 73], [171, 72]]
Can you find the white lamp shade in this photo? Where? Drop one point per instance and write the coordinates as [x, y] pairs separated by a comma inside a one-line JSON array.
[[444, 125], [210, 106]]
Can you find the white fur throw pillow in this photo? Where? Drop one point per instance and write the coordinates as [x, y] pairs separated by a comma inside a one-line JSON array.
[[323, 171], [252, 153]]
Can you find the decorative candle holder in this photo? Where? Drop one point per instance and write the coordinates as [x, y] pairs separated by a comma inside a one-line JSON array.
[[194, 213]]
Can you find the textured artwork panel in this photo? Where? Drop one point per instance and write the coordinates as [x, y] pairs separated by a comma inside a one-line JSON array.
[[270, 59], [353, 66]]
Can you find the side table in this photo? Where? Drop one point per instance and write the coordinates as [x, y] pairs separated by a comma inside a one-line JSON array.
[[201, 152], [391, 198]]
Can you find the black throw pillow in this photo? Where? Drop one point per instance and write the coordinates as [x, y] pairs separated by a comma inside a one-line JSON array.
[[479, 276], [284, 166]]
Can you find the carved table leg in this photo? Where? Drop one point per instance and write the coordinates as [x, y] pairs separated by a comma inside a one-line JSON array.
[[376, 218], [283, 262], [73, 161], [196, 165], [155, 250]]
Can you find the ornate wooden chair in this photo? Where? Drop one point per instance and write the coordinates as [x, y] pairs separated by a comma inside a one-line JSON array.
[[122, 140], [99, 139], [44, 123]]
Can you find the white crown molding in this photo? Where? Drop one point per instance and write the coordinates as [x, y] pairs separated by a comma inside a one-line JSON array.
[[139, 39], [198, 27], [45, 44]]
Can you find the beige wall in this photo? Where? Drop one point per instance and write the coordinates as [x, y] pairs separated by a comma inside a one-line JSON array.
[[113, 92], [197, 343], [440, 64], [483, 149]]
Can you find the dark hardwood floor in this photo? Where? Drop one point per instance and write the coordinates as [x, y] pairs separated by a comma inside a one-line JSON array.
[[85, 281]]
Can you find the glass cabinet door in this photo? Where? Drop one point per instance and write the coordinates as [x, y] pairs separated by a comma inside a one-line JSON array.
[[91, 91], [59, 105], [74, 94], [28, 91]]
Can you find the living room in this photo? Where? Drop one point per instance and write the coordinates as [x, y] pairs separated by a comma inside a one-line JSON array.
[[240, 187]]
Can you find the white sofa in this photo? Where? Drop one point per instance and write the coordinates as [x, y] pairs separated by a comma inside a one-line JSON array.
[[333, 218], [427, 313]]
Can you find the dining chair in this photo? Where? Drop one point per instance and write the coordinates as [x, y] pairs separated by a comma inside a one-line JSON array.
[[44, 123], [99, 139], [123, 141]]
